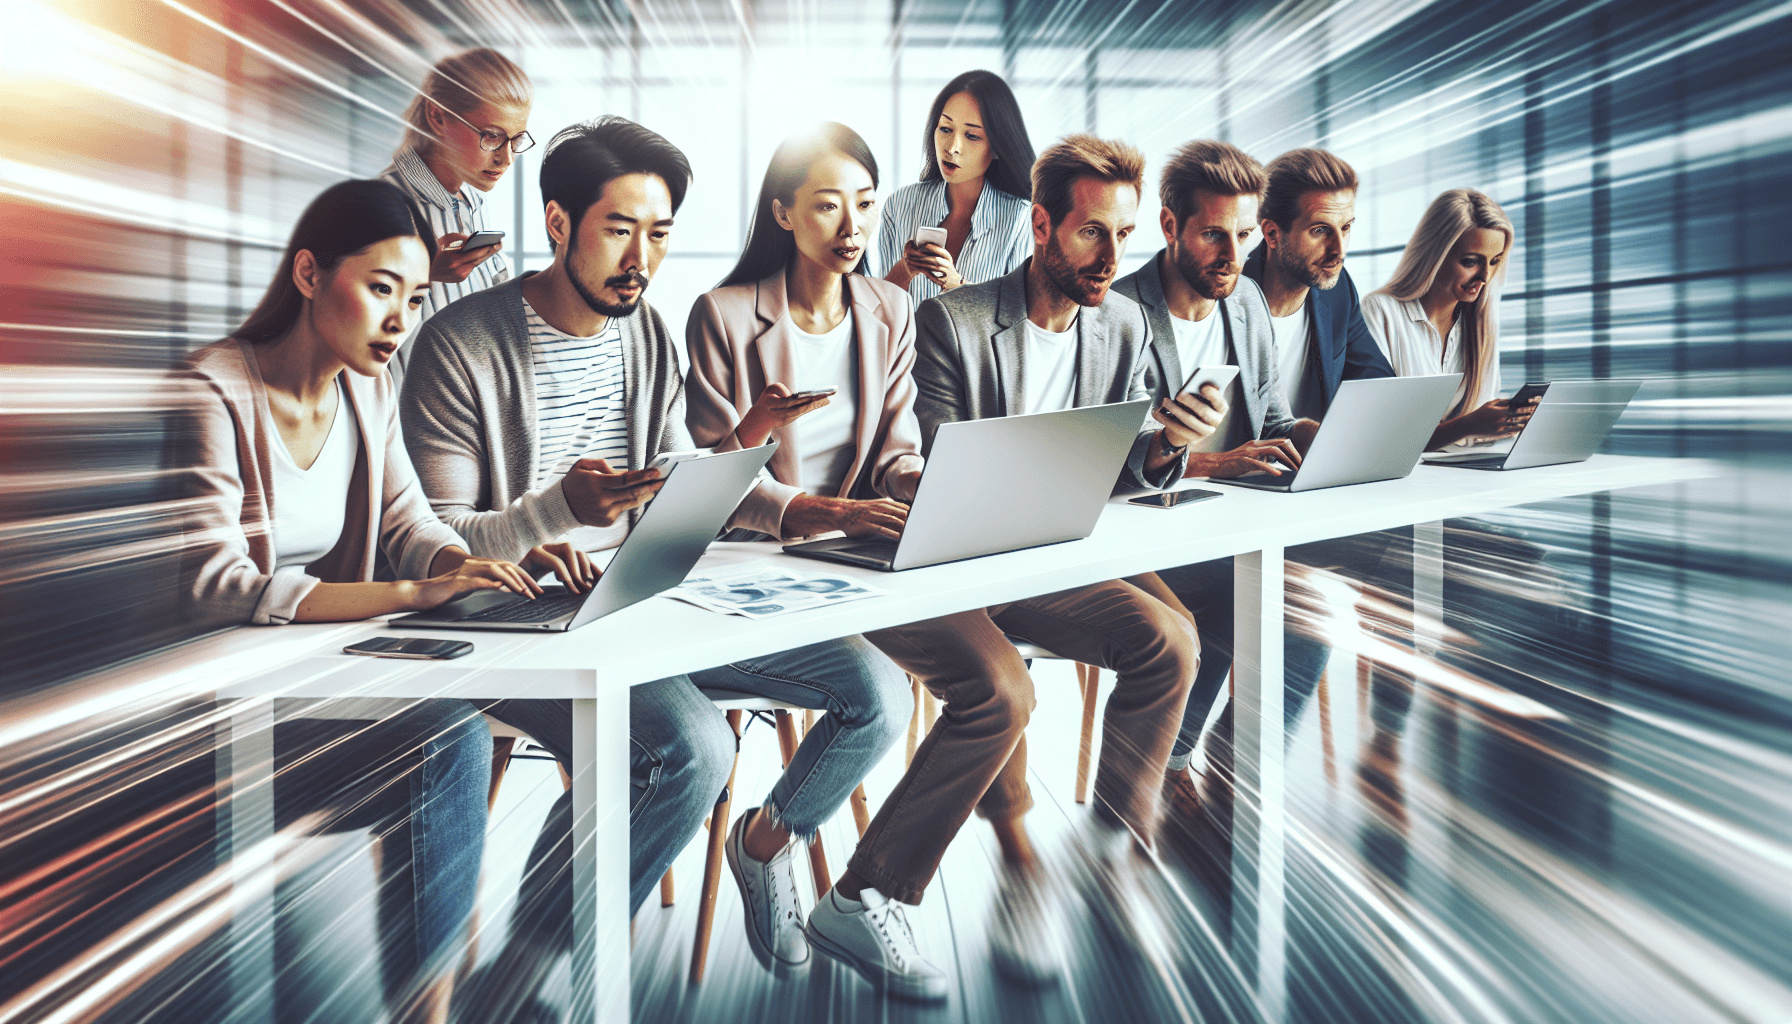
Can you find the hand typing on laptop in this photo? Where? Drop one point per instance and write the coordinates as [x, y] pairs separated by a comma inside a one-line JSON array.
[[571, 566], [808, 515]]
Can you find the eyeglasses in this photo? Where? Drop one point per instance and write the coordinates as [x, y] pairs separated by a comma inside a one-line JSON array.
[[491, 141]]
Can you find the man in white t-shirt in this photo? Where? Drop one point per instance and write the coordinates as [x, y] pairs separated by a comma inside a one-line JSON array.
[[1046, 337]]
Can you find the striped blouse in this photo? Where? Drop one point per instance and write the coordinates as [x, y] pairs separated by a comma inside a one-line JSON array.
[[460, 212], [1001, 235], [580, 404]]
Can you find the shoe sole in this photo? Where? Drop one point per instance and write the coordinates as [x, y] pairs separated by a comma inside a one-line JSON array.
[[876, 974], [760, 950]]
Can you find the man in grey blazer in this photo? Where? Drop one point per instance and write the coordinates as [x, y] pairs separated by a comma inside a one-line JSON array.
[[532, 410], [1204, 313], [1047, 336]]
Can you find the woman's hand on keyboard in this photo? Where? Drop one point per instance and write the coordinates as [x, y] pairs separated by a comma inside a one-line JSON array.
[[570, 565], [472, 574]]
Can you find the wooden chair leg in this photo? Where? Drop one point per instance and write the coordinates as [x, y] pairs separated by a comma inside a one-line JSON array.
[[914, 723], [861, 810], [818, 860], [933, 710], [1091, 693], [712, 865], [808, 721], [1324, 696], [666, 892], [501, 748]]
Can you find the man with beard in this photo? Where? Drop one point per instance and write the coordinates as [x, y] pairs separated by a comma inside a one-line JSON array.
[[531, 411], [1045, 337]]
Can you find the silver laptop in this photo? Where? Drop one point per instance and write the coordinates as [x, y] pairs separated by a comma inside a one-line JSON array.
[[1569, 425], [1374, 430], [1003, 484], [674, 530]]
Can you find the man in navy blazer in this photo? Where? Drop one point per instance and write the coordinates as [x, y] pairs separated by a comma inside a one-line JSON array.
[[1306, 216]]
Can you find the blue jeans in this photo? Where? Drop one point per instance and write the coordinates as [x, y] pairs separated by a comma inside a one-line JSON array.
[[682, 749], [419, 780], [1205, 589]]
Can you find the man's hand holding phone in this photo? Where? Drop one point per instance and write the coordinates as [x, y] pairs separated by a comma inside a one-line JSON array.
[[598, 495], [1191, 416], [777, 406]]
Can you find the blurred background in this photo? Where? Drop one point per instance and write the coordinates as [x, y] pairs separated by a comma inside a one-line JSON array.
[[1626, 858]]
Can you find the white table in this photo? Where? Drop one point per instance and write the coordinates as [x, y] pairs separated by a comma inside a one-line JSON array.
[[595, 666]]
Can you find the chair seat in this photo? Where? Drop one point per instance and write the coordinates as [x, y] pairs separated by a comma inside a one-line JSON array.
[[739, 700], [1031, 651]]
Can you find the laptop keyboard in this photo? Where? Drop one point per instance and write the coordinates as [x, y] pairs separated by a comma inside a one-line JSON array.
[[551, 605]]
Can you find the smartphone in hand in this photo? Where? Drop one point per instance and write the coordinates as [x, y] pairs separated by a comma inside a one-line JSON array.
[[481, 239]]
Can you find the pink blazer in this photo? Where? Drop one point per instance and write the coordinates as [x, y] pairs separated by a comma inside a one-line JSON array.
[[738, 340]]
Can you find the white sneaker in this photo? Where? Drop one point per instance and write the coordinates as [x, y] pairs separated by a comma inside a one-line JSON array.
[[774, 910], [1028, 938], [871, 935]]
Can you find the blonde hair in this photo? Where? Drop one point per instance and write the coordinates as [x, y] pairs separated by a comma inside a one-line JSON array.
[[1447, 219], [1056, 171], [461, 84]]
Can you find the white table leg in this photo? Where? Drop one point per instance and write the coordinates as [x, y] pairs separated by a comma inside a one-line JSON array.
[[1258, 823], [1427, 587], [245, 842], [600, 873]]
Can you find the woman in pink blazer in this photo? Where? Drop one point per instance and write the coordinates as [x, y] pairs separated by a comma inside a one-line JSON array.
[[798, 315]]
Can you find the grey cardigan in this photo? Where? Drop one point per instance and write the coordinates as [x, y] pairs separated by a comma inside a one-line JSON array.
[[970, 361], [1248, 334], [468, 410]]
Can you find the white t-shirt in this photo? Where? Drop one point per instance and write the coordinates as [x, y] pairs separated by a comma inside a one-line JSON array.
[[825, 436], [311, 504], [1294, 353], [1202, 343], [580, 407], [1411, 344], [1051, 369]]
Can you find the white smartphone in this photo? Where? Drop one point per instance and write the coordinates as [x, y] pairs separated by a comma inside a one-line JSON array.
[[1219, 376], [925, 235]]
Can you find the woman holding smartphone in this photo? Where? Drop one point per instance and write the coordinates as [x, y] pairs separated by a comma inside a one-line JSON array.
[[975, 187], [464, 126], [1439, 313], [295, 480]]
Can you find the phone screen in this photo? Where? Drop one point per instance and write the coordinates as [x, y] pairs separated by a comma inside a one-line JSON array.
[[1173, 499], [410, 647], [1529, 393]]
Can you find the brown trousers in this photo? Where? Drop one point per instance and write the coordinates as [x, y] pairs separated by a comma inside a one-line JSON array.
[[976, 754]]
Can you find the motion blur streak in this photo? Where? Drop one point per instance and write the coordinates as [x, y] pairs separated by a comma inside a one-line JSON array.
[[1567, 800]]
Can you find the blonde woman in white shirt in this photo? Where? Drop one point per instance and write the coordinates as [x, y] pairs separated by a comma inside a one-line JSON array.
[[1439, 313]]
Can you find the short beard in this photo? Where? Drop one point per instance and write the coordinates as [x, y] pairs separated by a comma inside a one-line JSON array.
[[1196, 277], [1302, 271], [1066, 278], [600, 307]]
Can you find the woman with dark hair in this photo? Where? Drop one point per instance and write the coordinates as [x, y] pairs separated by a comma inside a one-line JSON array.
[[295, 479], [798, 343], [976, 184]]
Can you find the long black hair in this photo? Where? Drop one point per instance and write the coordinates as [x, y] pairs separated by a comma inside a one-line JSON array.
[[344, 219], [770, 246], [1011, 170]]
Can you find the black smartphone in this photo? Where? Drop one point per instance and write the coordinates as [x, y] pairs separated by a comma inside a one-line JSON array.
[[410, 647], [816, 393], [1528, 394], [481, 239], [1172, 499]]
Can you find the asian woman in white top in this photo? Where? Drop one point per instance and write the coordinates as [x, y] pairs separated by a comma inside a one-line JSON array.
[[294, 480], [975, 184], [1440, 312]]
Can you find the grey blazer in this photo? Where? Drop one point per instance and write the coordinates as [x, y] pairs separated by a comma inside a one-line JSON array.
[[1249, 336], [970, 361], [468, 411]]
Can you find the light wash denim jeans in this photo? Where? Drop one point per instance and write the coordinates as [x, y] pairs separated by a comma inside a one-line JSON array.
[[419, 780]]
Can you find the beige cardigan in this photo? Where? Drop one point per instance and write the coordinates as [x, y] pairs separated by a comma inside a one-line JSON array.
[[227, 480], [738, 340]]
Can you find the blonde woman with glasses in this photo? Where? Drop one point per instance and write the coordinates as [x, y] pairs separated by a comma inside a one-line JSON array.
[[464, 127], [1439, 313]]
